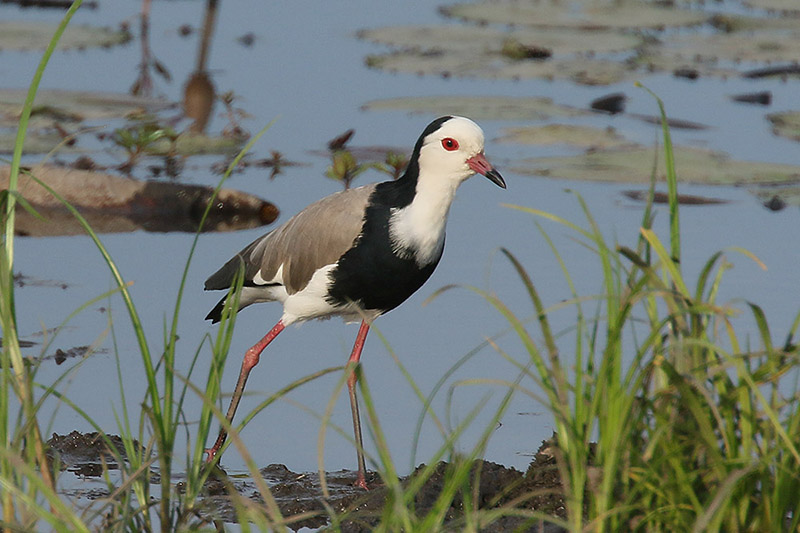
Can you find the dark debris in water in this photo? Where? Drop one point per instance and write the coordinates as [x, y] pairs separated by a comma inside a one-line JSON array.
[[688, 73], [78, 351], [612, 103], [49, 4], [775, 203], [674, 123], [683, 199], [22, 343], [60, 356], [276, 162], [772, 71], [21, 280], [761, 98]]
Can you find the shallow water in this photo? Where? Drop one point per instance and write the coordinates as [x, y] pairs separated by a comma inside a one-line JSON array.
[[306, 70]]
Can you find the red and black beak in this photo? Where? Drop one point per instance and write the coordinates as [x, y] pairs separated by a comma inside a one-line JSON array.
[[480, 165]]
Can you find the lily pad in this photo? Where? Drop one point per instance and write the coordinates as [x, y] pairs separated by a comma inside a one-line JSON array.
[[584, 14], [778, 197], [706, 52], [786, 6], [36, 142], [730, 23], [75, 105], [479, 52], [786, 124], [482, 40], [16, 35], [635, 165], [583, 71], [196, 144], [582, 136], [479, 107]]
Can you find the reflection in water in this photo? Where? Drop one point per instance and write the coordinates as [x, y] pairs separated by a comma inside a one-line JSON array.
[[143, 86], [116, 204], [198, 100], [198, 93]]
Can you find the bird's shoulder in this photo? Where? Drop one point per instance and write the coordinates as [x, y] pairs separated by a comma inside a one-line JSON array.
[[315, 237]]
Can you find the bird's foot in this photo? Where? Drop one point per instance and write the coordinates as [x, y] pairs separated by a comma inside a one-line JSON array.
[[361, 482], [211, 453]]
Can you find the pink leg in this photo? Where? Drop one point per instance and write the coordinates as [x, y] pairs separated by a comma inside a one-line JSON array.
[[355, 356], [251, 358]]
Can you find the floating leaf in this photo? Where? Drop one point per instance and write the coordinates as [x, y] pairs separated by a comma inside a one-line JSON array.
[[585, 14], [718, 54], [786, 124], [473, 40], [16, 35], [787, 6], [583, 136], [196, 144], [36, 142], [778, 197], [479, 107], [743, 23], [581, 37], [634, 165], [579, 70], [77, 105], [470, 51]]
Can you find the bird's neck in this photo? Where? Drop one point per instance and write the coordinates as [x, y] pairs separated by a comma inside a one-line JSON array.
[[418, 228]]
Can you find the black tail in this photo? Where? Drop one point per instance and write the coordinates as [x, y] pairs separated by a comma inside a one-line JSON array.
[[215, 315]]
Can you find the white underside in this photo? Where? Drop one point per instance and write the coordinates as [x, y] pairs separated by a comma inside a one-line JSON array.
[[307, 304]]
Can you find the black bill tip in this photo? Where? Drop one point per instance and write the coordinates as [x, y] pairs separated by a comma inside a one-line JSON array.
[[495, 177]]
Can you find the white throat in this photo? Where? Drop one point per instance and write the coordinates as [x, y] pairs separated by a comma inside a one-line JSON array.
[[417, 230]]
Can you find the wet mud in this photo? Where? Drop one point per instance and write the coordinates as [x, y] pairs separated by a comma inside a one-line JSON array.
[[301, 501], [85, 454]]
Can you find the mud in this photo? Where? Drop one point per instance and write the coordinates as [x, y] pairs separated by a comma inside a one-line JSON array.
[[300, 495], [495, 485], [86, 454]]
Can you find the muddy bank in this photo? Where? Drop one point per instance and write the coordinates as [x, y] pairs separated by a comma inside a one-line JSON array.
[[495, 486], [300, 498]]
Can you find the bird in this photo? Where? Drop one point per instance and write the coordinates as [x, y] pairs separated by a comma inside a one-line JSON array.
[[356, 254]]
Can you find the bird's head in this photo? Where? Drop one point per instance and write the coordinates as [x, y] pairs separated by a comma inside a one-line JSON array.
[[452, 148]]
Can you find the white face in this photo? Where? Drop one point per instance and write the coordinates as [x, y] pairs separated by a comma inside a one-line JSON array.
[[445, 151]]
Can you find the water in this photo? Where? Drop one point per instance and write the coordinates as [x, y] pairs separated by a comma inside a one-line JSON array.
[[306, 70]]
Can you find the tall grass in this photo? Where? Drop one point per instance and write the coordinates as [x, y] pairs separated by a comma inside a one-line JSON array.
[[28, 485], [29, 491], [667, 420]]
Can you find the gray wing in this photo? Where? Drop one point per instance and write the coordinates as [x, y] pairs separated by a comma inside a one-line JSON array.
[[313, 238]]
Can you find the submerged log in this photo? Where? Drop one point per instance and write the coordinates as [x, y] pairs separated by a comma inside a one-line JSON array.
[[117, 204]]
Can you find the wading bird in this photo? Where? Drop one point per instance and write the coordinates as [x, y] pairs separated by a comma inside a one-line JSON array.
[[357, 253]]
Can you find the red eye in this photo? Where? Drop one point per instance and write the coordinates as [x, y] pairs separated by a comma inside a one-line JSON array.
[[450, 144]]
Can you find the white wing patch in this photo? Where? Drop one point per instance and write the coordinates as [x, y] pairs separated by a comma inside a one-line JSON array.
[[278, 278]]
